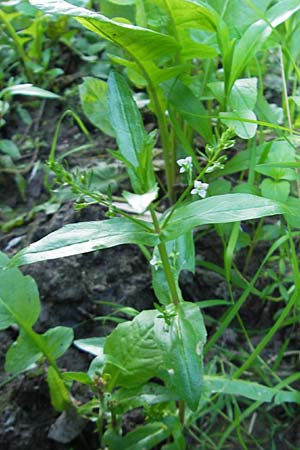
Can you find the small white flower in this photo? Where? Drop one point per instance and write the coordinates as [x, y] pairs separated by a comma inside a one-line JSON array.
[[185, 164], [155, 262], [214, 166], [200, 189]]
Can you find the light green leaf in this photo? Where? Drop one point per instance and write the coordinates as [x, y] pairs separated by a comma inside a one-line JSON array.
[[239, 121], [280, 155], [185, 15], [22, 354], [94, 101], [28, 89], [19, 304], [142, 44], [132, 351], [182, 343], [84, 237], [221, 209], [249, 389], [30, 346], [57, 340], [276, 190], [59, 394], [243, 95], [19, 299]]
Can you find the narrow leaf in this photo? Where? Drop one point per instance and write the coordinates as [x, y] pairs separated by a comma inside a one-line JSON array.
[[221, 209], [85, 237]]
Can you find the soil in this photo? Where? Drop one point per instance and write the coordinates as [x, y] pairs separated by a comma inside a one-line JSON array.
[[70, 292]]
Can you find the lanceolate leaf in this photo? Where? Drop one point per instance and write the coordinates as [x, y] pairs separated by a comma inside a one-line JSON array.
[[85, 237], [221, 209], [249, 389], [135, 146]]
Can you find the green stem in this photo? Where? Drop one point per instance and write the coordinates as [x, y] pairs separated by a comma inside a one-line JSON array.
[[165, 261]]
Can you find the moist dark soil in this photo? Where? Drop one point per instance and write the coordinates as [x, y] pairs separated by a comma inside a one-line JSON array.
[[71, 290]]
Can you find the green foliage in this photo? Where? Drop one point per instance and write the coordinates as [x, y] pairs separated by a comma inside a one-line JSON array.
[[19, 304], [200, 65]]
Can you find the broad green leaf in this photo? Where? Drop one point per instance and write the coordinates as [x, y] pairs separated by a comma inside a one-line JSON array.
[[182, 342], [91, 345], [133, 354], [276, 190], [249, 389], [243, 95], [185, 15], [22, 354], [30, 346], [134, 145], [57, 341], [144, 437], [94, 101], [239, 120], [59, 394], [181, 253], [142, 44], [279, 154], [84, 237], [19, 299], [221, 209], [19, 304], [28, 89]]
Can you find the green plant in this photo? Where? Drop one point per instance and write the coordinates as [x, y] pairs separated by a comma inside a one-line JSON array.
[[165, 343], [155, 361]]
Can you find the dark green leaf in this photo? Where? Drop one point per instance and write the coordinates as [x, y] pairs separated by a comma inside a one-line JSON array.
[[182, 342], [132, 351]]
